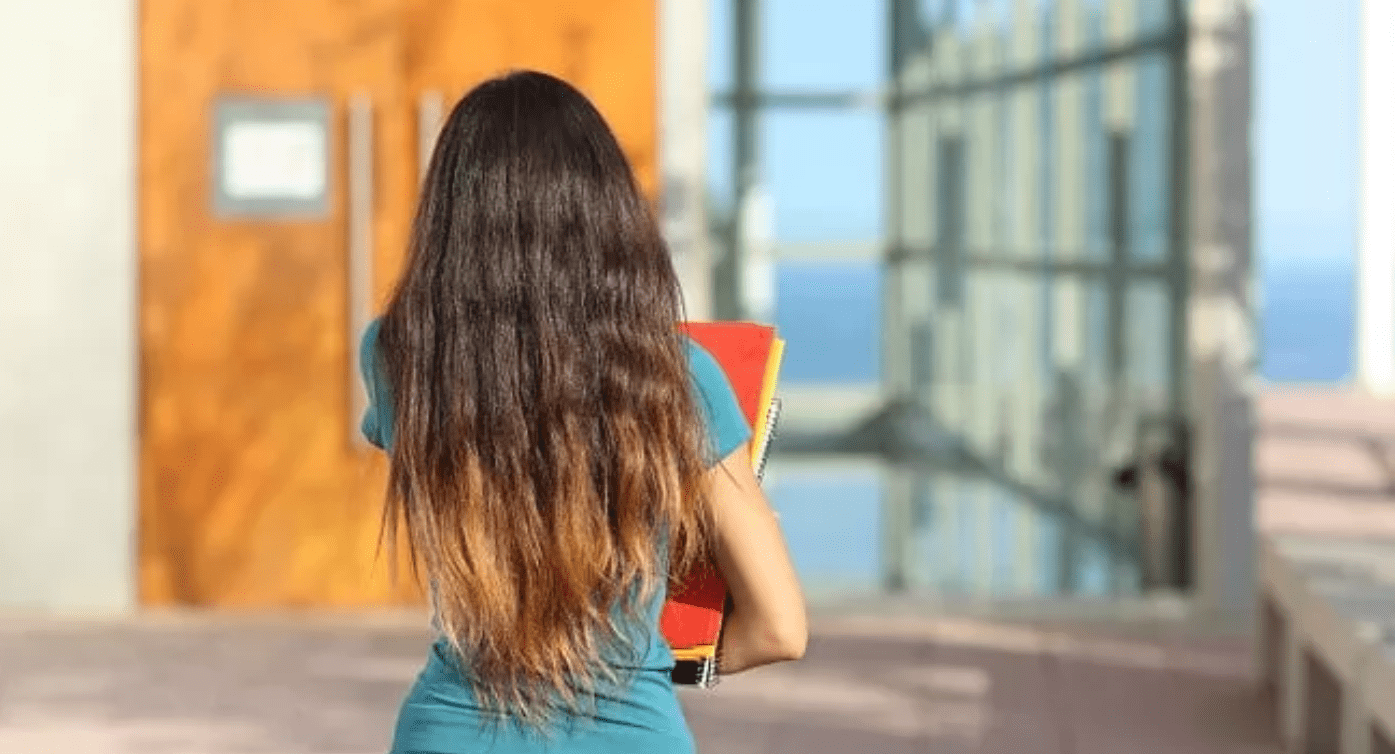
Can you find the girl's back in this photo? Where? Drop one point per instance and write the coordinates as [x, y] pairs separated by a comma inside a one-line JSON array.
[[554, 442]]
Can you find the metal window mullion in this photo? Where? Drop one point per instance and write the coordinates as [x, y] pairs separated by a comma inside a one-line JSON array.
[[728, 293], [1179, 175], [898, 484], [1171, 40]]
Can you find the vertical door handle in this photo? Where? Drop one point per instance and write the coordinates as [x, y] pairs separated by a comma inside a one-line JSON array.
[[360, 251], [431, 107]]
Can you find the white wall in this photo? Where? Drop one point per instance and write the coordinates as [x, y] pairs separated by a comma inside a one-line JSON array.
[[1376, 248], [683, 95], [67, 302]]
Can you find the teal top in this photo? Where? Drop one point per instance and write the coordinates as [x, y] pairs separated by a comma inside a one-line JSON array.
[[440, 714]]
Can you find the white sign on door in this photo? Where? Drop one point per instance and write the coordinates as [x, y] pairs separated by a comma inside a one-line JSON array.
[[274, 160], [271, 158]]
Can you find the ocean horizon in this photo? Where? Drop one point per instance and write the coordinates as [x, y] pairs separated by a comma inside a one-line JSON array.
[[1305, 320]]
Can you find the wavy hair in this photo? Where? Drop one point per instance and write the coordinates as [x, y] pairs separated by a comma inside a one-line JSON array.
[[547, 466]]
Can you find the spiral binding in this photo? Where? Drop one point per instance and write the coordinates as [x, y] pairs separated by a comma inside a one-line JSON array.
[[701, 673], [763, 453]]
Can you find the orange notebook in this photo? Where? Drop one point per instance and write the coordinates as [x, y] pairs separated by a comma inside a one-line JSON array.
[[750, 355]]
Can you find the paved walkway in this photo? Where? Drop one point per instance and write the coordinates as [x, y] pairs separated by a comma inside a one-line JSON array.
[[244, 686], [1324, 463]]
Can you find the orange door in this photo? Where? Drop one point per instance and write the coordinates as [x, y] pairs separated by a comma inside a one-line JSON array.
[[254, 492], [607, 48]]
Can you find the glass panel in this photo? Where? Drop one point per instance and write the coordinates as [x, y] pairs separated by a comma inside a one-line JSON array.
[[931, 540], [1000, 12], [1003, 325], [832, 523], [1045, 169], [1093, 24], [916, 347], [1097, 185], [1070, 181], [1024, 367], [1049, 556], [1046, 29], [822, 44], [824, 173], [948, 547], [720, 186], [1153, 15], [1005, 522], [1017, 332], [830, 315], [1148, 163], [951, 217], [931, 12], [916, 174], [1147, 339], [1073, 354], [1015, 189], [963, 579], [985, 138], [1093, 570], [963, 15], [1075, 560], [1095, 351], [1124, 521], [987, 338]]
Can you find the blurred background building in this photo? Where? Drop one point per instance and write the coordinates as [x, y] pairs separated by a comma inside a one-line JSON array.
[[1046, 174], [1088, 302], [1011, 244]]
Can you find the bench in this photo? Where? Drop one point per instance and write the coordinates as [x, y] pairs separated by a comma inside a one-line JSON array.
[[1325, 641]]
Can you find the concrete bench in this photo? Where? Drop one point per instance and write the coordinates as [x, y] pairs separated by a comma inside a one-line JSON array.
[[1325, 641]]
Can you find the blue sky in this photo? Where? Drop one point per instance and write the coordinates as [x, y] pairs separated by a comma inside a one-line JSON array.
[[1306, 130]]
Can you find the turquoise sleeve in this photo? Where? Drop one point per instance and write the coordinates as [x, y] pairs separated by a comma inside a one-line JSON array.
[[377, 425], [722, 415]]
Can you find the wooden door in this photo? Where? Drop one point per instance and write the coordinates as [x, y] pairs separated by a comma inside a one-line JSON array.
[[253, 493]]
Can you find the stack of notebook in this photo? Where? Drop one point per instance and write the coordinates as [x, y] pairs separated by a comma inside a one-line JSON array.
[[750, 355]]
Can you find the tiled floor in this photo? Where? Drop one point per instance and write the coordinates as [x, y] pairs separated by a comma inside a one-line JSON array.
[[1317, 469], [262, 687], [1005, 689]]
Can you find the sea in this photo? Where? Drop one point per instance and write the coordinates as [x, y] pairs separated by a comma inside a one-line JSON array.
[[1305, 315]]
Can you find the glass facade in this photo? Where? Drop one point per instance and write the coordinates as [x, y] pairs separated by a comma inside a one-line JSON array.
[[1022, 284]]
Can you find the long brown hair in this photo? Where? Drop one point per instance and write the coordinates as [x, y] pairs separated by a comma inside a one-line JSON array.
[[548, 455]]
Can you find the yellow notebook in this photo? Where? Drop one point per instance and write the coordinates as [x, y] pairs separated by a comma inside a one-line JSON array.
[[770, 409]]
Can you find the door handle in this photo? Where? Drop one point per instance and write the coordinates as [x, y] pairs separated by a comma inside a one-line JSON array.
[[360, 251], [431, 107]]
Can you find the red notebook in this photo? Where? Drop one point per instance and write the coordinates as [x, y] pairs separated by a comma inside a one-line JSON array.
[[691, 621]]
